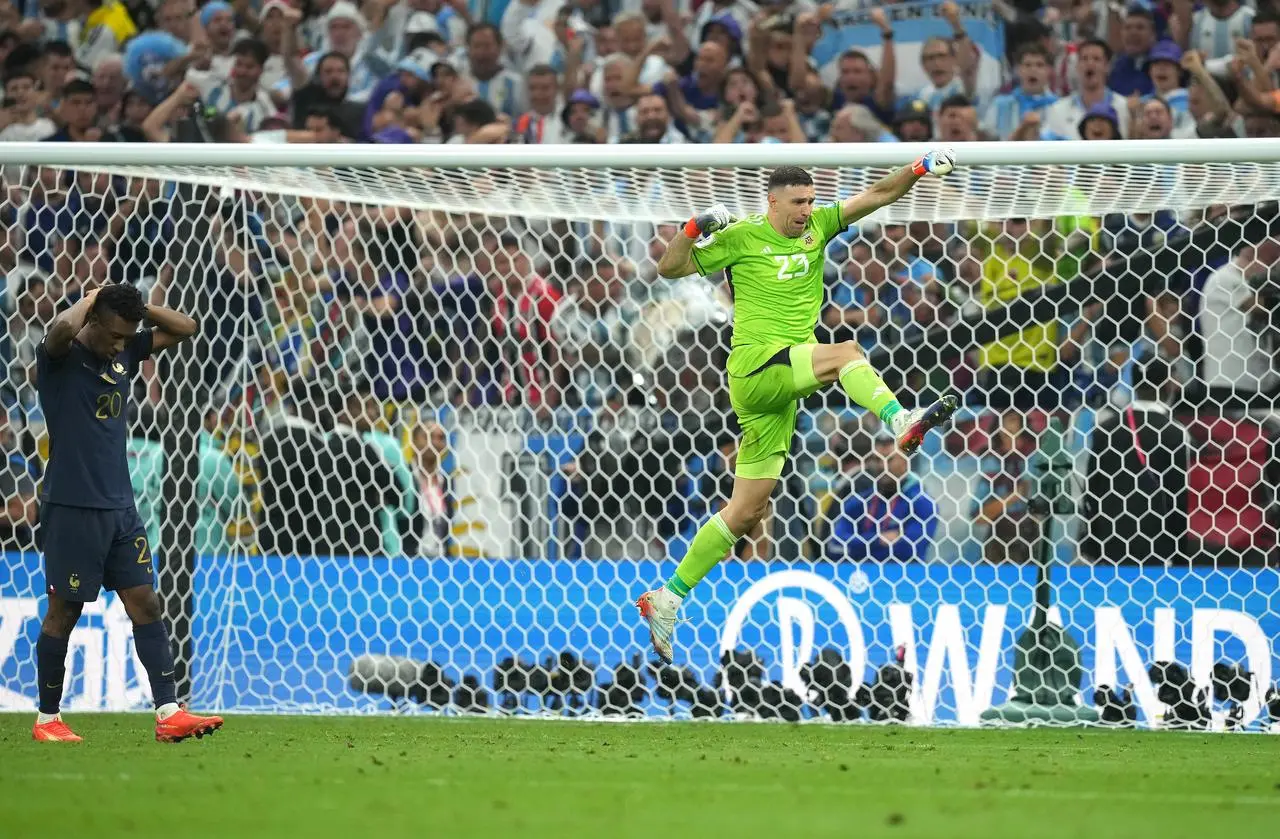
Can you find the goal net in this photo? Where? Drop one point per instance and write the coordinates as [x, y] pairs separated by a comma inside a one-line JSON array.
[[443, 423]]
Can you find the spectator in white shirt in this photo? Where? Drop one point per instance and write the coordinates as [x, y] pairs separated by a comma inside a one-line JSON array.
[[110, 83], [273, 22], [1212, 30], [951, 64], [23, 124], [652, 67], [218, 20], [1061, 120], [1016, 115], [499, 86], [241, 95], [347, 36], [542, 122], [1235, 354]]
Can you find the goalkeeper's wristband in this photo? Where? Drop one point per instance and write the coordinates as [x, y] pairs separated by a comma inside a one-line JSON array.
[[691, 228], [919, 169]]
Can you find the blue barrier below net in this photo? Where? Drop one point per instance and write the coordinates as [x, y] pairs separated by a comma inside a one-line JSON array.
[[279, 634]]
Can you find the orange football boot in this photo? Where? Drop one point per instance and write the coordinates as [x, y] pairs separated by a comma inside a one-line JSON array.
[[182, 725], [54, 731]]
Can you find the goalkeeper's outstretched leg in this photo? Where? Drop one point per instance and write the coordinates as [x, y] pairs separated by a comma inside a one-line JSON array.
[[846, 364], [766, 406]]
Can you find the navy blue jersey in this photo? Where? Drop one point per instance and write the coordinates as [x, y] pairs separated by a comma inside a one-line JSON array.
[[85, 401]]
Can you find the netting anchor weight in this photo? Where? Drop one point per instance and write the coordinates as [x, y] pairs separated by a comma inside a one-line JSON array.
[[1047, 669]]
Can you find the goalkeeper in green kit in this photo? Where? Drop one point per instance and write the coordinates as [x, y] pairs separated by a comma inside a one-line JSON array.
[[774, 265]]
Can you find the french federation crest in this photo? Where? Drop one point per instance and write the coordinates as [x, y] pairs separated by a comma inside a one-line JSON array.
[[808, 240]]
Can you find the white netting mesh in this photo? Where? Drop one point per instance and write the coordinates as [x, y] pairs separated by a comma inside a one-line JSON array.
[[646, 194], [455, 418]]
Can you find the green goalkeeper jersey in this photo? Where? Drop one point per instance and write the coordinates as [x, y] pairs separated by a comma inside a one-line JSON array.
[[777, 282]]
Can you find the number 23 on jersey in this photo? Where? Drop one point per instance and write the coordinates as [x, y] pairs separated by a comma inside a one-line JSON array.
[[792, 265]]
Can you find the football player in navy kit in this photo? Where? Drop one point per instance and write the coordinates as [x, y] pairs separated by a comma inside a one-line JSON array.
[[90, 531]]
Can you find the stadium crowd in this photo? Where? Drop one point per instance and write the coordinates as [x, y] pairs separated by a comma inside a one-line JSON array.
[[361, 333]]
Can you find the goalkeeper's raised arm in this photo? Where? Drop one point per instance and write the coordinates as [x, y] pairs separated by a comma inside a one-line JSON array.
[[889, 189], [677, 261]]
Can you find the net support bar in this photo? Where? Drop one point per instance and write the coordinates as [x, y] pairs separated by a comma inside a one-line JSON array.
[[1132, 152]]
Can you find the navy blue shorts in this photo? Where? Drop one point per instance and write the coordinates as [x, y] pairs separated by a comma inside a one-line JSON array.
[[86, 550]]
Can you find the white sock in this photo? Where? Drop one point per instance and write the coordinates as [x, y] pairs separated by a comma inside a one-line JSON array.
[[167, 710], [670, 596], [42, 719]]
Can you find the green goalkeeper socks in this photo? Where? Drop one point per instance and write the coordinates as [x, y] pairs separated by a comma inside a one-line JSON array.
[[710, 545], [865, 387]]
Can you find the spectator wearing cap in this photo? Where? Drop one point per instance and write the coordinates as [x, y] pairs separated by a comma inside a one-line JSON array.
[[1164, 68], [218, 20], [272, 23], [448, 19], [579, 117], [77, 114], [1017, 115], [542, 122], [346, 31], [1062, 119], [914, 122], [240, 96], [22, 123], [1214, 28], [500, 86], [1100, 123], [722, 29], [410, 84], [1128, 74]]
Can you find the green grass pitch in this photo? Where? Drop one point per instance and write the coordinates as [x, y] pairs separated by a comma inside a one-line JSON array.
[[454, 778]]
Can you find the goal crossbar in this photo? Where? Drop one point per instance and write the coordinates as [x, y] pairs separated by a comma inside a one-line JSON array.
[[668, 183]]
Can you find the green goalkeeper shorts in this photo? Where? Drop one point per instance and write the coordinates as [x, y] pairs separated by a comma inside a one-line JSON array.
[[765, 401]]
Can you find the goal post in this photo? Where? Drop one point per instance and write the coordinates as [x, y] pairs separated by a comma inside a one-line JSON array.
[[443, 423]]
